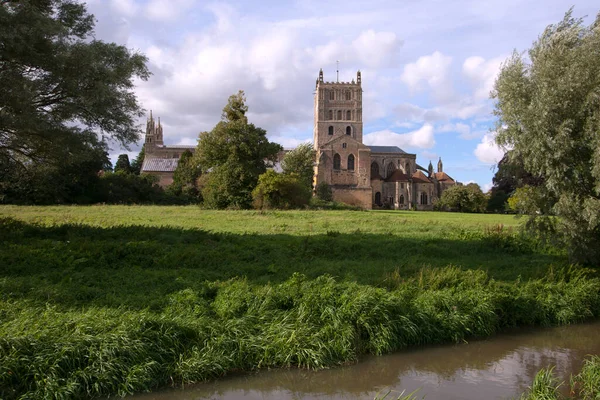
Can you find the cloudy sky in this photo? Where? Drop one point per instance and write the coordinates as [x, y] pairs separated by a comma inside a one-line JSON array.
[[427, 66]]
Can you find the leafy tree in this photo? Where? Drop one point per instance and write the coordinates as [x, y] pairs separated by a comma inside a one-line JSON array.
[[122, 164], [301, 162], [185, 177], [548, 109], [461, 198], [236, 153], [282, 191], [323, 192], [60, 86], [136, 165]]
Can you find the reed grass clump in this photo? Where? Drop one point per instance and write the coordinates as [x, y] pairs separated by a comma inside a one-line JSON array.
[[212, 329]]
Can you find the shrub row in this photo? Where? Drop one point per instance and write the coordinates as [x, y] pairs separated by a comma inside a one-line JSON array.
[[48, 352]]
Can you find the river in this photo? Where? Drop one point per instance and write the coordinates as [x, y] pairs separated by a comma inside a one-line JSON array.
[[496, 368]]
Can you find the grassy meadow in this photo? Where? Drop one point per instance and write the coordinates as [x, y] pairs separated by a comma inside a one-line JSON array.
[[104, 300]]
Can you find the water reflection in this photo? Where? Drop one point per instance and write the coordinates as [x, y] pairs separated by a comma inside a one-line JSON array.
[[500, 367]]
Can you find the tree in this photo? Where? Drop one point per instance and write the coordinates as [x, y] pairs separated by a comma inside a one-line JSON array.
[[282, 191], [548, 109], [186, 175], [323, 192], [122, 164], [461, 198], [136, 165], [300, 161], [60, 86], [235, 153]]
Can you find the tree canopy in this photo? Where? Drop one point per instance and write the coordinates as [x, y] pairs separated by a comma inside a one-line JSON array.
[[60, 86], [235, 153], [548, 109], [468, 198], [300, 161], [122, 164]]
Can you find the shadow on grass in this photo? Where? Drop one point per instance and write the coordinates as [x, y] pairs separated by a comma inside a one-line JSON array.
[[137, 266]]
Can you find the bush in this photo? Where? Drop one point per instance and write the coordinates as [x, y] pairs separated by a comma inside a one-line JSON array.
[[323, 192], [283, 191]]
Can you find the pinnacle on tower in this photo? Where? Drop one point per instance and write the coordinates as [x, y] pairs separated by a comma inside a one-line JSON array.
[[440, 165]]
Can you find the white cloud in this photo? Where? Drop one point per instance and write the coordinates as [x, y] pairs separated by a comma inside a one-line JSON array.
[[377, 48], [167, 10], [487, 187], [482, 74], [488, 152], [422, 138], [127, 8], [434, 71]]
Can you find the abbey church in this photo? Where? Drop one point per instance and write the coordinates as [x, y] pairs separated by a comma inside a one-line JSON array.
[[361, 175]]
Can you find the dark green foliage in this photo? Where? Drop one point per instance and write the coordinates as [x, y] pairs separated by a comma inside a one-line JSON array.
[[127, 188], [236, 154], [461, 198], [73, 180], [122, 164], [59, 84], [136, 165], [300, 161], [548, 109], [323, 192], [282, 191], [185, 177]]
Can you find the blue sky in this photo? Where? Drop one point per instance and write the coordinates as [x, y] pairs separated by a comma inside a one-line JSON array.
[[427, 66]]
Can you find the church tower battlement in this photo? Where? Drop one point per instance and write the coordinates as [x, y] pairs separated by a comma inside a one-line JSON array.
[[154, 134], [338, 110]]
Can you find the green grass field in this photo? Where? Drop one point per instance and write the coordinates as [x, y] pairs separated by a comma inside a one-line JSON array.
[[104, 300]]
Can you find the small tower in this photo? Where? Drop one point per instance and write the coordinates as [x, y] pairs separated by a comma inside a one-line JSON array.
[[440, 166], [430, 168], [154, 134]]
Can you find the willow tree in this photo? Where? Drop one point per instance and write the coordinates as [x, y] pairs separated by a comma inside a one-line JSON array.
[[548, 109]]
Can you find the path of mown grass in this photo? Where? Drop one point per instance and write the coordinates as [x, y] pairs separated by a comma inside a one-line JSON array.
[[106, 299]]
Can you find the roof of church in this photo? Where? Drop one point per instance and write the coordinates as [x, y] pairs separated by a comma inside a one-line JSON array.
[[178, 146], [420, 177], [386, 149], [397, 176], [160, 164], [443, 177], [376, 176]]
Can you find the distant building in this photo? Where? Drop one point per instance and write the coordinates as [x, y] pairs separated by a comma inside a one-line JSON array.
[[366, 176], [160, 160]]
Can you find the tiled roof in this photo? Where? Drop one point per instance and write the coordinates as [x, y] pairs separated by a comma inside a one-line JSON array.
[[376, 177], [420, 177], [160, 164], [443, 177], [397, 176], [386, 149]]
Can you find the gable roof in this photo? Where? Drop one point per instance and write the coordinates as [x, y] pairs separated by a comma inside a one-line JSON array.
[[343, 138], [443, 177], [419, 177], [386, 149], [397, 176], [160, 164]]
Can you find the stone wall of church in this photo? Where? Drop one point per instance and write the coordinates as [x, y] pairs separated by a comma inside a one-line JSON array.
[[361, 197]]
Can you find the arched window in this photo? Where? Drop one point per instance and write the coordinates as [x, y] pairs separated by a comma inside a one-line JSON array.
[[374, 169], [407, 171], [330, 130], [348, 115], [423, 198], [348, 95], [330, 115], [351, 162], [378, 198], [339, 115], [401, 199], [348, 130], [337, 161], [331, 95], [390, 170]]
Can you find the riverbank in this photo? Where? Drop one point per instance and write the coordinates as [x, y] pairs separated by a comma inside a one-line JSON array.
[[94, 303]]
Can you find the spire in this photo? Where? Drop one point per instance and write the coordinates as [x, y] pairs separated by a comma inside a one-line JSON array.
[[440, 165], [430, 168], [358, 77], [321, 75]]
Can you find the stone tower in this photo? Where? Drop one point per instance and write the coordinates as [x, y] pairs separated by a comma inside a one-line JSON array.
[[338, 110], [154, 135]]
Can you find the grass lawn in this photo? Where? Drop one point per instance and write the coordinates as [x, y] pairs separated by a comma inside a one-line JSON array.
[[104, 300], [112, 255]]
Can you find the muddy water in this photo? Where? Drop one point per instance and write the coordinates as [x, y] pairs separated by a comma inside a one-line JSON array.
[[497, 368]]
